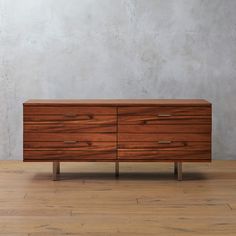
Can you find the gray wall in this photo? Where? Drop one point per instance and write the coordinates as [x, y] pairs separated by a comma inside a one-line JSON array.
[[118, 49]]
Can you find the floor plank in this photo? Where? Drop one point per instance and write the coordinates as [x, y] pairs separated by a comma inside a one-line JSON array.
[[145, 200]]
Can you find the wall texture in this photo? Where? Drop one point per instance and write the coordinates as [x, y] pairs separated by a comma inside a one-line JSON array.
[[118, 49]]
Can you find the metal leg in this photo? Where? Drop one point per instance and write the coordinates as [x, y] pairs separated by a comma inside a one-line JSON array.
[[175, 169], [55, 170], [117, 168], [179, 170], [58, 168]]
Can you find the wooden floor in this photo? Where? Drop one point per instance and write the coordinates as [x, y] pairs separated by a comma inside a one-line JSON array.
[[145, 200]]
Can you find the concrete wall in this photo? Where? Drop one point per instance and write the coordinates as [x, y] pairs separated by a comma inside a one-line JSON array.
[[118, 49]]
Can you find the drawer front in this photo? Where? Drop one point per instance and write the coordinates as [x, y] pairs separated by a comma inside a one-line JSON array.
[[159, 155], [67, 127], [68, 137], [165, 145], [164, 115], [69, 111], [70, 133], [162, 120], [164, 137], [181, 128], [68, 155], [76, 119], [164, 133], [165, 111], [69, 145]]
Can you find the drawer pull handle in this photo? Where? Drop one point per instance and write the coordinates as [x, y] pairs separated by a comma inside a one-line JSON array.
[[70, 142], [164, 115], [164, 142], [70, 115], [81, 117]]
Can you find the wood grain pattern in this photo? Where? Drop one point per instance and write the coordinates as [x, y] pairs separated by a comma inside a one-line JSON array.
[[67, 111], [155, 120], [98, 130], [160, 155], [68, 128], [117, 102], [178, 145], [129, 137], [79, 119], [69, 155], [70, 145], [164, 128], [158, 111], [28, 137]]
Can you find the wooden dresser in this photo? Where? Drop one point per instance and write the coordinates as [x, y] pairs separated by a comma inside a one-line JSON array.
[[133, 130]]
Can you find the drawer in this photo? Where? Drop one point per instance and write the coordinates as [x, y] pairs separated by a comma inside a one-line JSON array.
[[165, 145], [160, 155], [67, 127], [68, 111], [162, 120], [165, 111], [70, 145], [69, 155], [76, 119], [182, 128], [69, 137], [164, 137]]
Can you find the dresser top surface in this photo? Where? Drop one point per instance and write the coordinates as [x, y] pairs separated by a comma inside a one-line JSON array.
[[117, 102]]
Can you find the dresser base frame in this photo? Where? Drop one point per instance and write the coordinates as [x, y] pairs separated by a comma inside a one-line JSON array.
[[56, 170]]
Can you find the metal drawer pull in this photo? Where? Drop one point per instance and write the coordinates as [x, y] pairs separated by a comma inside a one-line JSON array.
[[164, 115], [164, 142], [80, 117], [70, 115], [70, 142]]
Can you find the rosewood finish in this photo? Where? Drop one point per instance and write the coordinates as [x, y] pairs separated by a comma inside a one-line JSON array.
[[173, 130]]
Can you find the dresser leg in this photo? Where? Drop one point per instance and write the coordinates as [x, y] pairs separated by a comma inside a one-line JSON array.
[[55, 170], [175, 169], [179, 171], [117, 168], [58, 168]]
